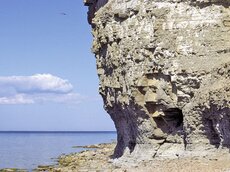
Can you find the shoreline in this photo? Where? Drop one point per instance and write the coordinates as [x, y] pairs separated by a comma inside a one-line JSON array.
[[23, 151], [97, 158]]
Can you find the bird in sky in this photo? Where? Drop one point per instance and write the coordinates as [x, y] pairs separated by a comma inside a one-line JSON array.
[[62, 13]]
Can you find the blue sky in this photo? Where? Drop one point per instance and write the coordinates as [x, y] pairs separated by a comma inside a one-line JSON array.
[[48, 77]]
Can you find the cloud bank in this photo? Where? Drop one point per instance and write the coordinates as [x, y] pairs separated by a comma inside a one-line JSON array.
[[37, 88]]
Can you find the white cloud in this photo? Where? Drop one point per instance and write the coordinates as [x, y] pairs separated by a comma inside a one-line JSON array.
[[36, 89], [16, 99], [36, 83]]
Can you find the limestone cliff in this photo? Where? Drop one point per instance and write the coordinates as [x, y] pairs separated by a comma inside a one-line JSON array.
[[164, 70]]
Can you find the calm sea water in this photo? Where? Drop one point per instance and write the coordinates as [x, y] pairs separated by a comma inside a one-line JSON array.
[[27, 150]]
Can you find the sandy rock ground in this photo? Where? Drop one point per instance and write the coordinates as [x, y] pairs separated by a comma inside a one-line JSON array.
[[97, 159]]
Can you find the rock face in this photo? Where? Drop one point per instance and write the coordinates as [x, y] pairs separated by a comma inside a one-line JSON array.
[[164, 70]]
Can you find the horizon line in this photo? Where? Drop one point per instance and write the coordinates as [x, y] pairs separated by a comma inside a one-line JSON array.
[[83, 131]]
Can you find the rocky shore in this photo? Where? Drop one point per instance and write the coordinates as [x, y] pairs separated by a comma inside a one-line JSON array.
[[13, 170], [99, 159]]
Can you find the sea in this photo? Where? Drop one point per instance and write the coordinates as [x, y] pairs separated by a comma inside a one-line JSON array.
[[28, 149]]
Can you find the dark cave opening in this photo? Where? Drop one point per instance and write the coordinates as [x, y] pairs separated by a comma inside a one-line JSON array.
[[173, 117]]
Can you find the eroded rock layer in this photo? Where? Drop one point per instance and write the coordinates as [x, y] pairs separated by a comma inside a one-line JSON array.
[[164, 70]]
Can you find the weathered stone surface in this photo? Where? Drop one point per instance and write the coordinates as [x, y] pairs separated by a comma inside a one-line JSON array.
[[97, 160], [164, 70]]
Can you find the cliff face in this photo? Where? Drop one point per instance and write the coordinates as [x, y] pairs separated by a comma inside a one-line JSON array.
[[164, 70]]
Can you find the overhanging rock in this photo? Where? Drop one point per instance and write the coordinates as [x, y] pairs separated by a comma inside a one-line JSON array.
[[164, 70]]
